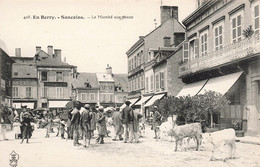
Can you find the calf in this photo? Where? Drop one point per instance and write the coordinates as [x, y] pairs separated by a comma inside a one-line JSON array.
[[189, 130], [222, 138], [165, 127]]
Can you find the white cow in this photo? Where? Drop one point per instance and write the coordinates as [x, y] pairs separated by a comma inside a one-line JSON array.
[[165, 127], [192, 130], [221, 138]]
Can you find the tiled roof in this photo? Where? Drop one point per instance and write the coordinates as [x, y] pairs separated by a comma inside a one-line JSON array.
[[121, 80], [104, 77], [52, 62], [82, 78], [23, 71]]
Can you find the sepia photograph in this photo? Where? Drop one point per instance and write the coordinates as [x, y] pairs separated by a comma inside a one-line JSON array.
[[130, 83]]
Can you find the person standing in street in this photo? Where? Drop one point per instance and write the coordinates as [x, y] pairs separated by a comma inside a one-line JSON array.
[[137, 117], [93, 122], [127, 119], [2, 128], [156, 122], [85, 120], [101, 125], [75, 123], [117, 123], [26, 124]]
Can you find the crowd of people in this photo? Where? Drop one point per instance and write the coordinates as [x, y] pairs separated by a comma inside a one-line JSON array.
[[82, 122]]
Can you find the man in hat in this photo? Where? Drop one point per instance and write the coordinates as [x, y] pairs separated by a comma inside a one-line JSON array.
[[101, 125], [127, 120], [86, 125], [156, 122]]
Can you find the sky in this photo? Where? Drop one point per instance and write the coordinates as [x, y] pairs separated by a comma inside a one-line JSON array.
[[90, 44]]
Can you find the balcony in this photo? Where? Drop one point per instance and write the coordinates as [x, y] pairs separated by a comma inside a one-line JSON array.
[[244, 49]]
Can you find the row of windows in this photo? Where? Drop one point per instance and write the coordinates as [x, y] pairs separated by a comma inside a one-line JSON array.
[[28, 92], [59, 76], [87, 96], [195, 46], [159, 82], [136, 83], [106, 97], [136, 61]]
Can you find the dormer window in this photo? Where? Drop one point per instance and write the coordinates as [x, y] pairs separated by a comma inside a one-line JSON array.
[[87, 84], [15, 73]]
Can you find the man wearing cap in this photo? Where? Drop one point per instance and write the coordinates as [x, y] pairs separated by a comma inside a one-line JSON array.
[[156, 122], [127, 120], [101, 125], [86, 125]]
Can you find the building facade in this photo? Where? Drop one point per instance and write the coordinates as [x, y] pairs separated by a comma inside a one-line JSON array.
[[5, 76], [221, 53]]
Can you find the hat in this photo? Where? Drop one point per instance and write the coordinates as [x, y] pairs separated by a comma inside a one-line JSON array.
[[117, 108], [156, 107], [87, 106], [127, 103], [101, 108]]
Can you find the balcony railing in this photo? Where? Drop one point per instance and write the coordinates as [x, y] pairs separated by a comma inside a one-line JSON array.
[[229, 53]]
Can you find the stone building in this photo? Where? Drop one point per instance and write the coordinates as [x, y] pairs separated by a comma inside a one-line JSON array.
[[5, 76], [221, 53]]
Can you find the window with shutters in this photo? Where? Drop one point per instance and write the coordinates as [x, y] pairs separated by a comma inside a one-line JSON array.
[[92, 96], [45, 92], [204, 42], [192, 50], [135, 65], [132, 64], [236, 26], [83, 96], [255, 14], [151, 81], [59, 92], [157, 82], [142, 81], [147, 84], [138, 82], [218, 35], [162, 84], [137, 59], [28, 92], [129, 65], [185, 51], [15, 91]]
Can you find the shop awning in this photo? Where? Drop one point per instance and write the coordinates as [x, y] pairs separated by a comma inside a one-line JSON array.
[[144, 99], [153, 99], [192, 89], [221, 84], [28, 104], [133, 101], [58, 104]]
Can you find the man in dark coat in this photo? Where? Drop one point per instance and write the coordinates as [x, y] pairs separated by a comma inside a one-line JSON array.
[[127, 120], [75, 121], [86, 118]]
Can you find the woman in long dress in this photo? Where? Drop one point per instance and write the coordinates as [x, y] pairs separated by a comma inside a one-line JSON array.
[[26, 124]]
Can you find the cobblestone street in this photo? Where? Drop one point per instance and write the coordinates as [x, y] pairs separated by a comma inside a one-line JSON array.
[[55, 152]]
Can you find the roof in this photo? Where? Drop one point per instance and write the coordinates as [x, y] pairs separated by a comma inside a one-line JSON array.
[[23, 71], [121, 80], [82, 78], [52, 62], [104, 77], [3, 47], [139, 42]]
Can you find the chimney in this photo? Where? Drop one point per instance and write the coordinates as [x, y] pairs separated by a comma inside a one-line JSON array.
[[168, 12], [50, 50], [17, 52], [57, 54], [109, 69], [38, 48]]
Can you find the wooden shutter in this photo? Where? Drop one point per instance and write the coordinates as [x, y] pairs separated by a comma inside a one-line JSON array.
[[185, 51], [196, 41]]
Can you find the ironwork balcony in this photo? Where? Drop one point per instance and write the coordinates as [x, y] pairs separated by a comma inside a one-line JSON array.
[[233, 52]]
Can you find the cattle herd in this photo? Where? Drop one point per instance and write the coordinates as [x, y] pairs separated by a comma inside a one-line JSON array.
[[182, 135]]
